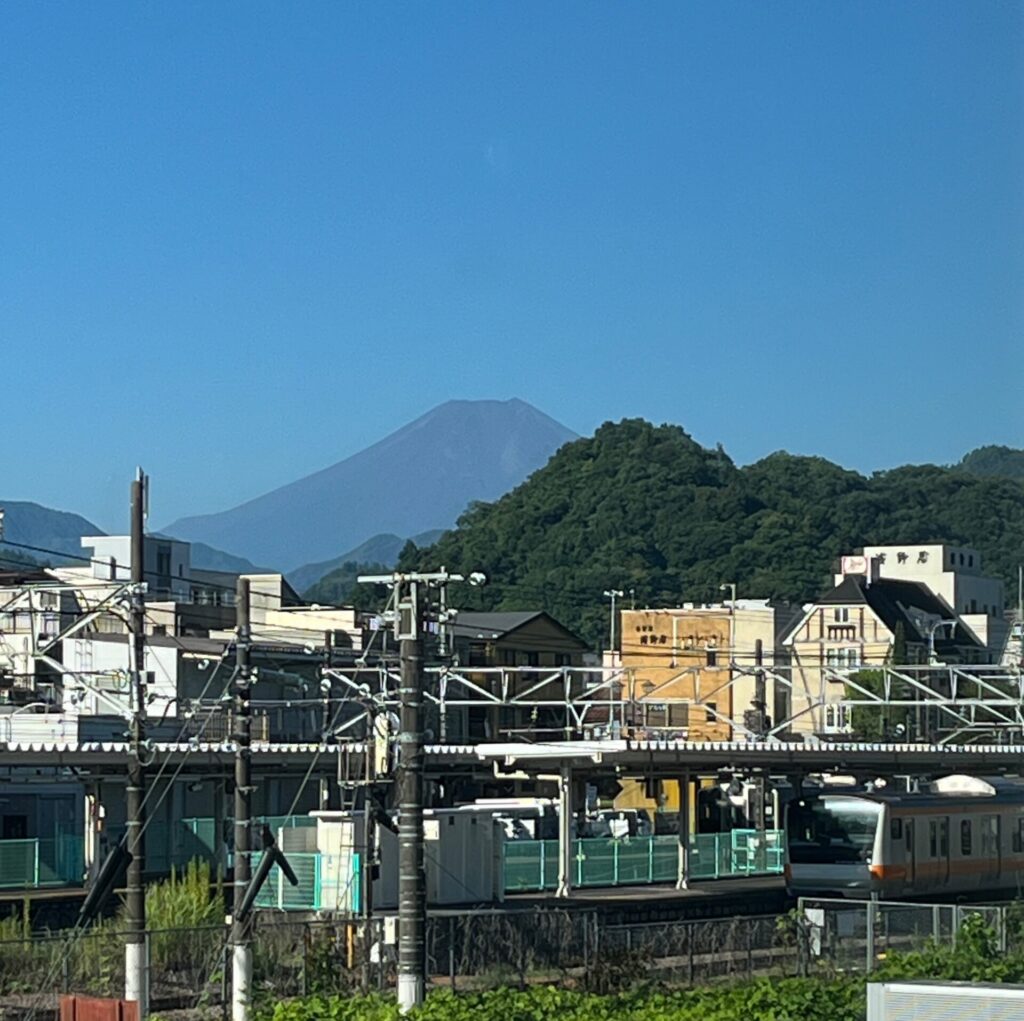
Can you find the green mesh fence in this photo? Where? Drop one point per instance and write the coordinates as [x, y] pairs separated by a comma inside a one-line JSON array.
[[532, 865], [277, 893], [35, 862]]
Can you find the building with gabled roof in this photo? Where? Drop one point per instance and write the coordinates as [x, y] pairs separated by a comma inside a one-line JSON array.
[[866, 622]]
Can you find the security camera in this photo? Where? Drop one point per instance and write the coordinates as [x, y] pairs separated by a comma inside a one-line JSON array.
[[478, 578], [325, 686]]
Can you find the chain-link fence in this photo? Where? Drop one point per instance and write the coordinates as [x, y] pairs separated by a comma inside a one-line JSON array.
[[850, 935], [464, 951], [480, 950]]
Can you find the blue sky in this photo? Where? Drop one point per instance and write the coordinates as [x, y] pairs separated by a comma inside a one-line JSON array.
[[239, 242]]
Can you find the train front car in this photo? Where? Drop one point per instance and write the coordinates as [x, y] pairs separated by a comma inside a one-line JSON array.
[[834, 845]]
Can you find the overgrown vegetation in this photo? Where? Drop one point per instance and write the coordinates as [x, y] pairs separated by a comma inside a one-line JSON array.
[[646, 508], [975, 957], [185, 914]]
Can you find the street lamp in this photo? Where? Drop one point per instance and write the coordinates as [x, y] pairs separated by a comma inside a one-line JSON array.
[[730, 587], [612, 594], [931, 637]]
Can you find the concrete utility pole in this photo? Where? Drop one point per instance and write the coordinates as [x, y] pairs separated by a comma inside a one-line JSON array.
[[241, 955], [412, 893], [410, 599], [136, 950], [612, 594]]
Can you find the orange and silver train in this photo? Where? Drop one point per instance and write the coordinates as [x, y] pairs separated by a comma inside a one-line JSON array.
[[963, 835]]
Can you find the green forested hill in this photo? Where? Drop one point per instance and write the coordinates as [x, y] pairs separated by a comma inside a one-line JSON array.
[[645, 507], [1004, 461]]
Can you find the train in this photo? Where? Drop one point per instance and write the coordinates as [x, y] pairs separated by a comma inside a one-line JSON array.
[[961, 835]]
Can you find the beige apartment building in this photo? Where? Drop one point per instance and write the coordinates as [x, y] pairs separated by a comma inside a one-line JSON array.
[[692, 669], [887, 593]]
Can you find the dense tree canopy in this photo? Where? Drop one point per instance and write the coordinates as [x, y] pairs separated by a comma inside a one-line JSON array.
[[647, 510], [1004, 461]]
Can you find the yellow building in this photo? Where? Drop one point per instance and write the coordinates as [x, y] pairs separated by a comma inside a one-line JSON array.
[[693, 668], [693, 673]]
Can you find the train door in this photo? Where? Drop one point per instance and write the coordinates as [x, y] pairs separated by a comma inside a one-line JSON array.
[[990, 848], [943, 874], [909, 853]]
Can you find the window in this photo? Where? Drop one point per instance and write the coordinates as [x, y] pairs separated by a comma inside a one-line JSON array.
[[711, 708], [952, 560], [163, 560], [990, 836], [1018, 837], [842, 614], [840, 658], [970, 561], [533, 659], [562, 659], [712, 657], [837, 718], [965, 837], [938, 838], [974, 606], [679, 714], [896, 828]]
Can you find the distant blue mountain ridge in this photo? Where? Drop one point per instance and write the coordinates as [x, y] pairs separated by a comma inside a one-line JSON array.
[[420, 478]]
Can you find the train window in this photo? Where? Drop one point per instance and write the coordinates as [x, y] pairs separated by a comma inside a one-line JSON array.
[[896, 828], [965, 836], [938, 838], [990, 836], [1018, 837]]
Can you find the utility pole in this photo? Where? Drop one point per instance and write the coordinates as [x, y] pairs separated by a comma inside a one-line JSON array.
[[410, 598], [136, 950], [412, 894], [612, 594], [241, 955]]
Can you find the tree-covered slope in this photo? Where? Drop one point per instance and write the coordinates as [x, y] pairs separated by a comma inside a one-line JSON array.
[[1007, 462], [646, 508]]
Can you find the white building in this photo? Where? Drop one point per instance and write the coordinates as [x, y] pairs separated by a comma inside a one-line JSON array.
[[953, 573]]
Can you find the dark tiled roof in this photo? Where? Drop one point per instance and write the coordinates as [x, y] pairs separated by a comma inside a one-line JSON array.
[[891, 599], [471, 624]]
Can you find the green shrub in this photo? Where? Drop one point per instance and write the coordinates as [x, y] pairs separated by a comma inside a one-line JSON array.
[[785, 1000]]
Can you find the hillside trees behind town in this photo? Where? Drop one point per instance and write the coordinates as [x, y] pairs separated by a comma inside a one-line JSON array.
[[993, 460], [647, 510]]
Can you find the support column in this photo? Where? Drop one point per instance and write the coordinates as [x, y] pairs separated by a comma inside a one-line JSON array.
[[683, 876], [566, 826]]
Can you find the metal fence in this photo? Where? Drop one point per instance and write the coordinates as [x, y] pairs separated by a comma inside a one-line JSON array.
[[849, 935], [465, 951], [482, 950], [527, 866], [38, 862], [532, 865]]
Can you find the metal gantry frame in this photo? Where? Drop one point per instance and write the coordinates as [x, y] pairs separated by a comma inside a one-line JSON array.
[[965, 701]]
